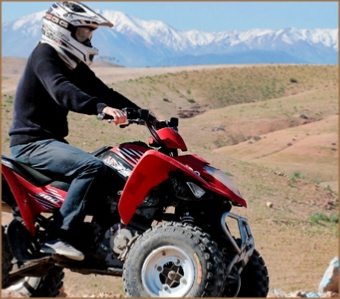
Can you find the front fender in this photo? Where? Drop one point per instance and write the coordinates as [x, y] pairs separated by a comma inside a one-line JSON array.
[[149, 172]]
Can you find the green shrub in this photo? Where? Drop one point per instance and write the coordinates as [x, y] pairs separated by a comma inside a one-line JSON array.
[[334, 218], [298, 175], [315, 218]]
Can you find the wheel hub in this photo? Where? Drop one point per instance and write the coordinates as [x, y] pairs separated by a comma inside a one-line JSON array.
[[173, 277], [168, 272]]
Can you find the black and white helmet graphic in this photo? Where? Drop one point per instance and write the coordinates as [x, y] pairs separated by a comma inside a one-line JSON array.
[[69, 26]]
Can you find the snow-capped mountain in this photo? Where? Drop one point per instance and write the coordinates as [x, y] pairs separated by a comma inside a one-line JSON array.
[[135, 43]]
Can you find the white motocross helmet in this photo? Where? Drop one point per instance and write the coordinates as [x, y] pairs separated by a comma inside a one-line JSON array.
[[68, 27]]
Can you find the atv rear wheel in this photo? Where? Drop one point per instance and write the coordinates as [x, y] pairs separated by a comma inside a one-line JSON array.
[[174, 260], [46, 286]]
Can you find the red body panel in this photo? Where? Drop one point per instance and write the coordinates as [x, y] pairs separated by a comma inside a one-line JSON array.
[[171, 138], [196, 163], [32, 200], [153, 168], [148, 169]]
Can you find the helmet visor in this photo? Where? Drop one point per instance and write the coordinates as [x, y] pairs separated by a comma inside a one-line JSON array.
[[84, 33]]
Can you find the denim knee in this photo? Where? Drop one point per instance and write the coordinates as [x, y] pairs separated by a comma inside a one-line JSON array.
[[99, 167]]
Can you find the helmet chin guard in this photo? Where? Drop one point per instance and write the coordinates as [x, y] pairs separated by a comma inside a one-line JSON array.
[[59, 28]]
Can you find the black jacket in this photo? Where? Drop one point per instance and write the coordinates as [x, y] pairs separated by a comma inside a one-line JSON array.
[[48, 90]]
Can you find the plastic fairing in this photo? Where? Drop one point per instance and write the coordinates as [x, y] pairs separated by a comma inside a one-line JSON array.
[[171, 138], [151, 170]]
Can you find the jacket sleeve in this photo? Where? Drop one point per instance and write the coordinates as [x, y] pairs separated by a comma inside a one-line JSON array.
[[90, 96], [96, 87]]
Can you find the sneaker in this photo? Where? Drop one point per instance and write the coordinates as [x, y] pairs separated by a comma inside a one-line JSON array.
[[58, 246]]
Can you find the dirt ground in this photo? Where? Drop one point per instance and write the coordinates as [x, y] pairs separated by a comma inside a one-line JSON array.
[[280, 254]]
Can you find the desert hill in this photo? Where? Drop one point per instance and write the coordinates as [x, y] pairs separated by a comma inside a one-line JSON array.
[[272, 128]]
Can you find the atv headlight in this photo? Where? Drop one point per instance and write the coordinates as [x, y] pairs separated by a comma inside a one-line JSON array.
[[197, 191], [223, 178]]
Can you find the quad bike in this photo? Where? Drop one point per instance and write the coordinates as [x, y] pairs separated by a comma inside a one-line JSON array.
[[162, 221]]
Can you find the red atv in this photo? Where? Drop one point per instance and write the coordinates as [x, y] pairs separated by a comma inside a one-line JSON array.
[[163, 223]]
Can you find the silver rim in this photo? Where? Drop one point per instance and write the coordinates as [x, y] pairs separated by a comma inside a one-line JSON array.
[[168, 272]]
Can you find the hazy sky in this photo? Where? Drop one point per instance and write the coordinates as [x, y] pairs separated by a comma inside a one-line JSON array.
[[208, 16]]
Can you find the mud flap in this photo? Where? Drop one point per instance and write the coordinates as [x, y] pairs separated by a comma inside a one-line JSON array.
[[22, 244]]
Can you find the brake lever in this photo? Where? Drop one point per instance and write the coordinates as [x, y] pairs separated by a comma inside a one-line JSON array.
[[137, 121]]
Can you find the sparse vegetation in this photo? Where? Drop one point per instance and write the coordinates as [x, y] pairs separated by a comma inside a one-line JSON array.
[[298, 175], [257, 104], [244, 85], [319, 217], [9, 99], [328, 187]]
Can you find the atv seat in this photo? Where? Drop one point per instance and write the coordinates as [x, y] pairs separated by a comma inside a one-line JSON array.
[[33, 176]]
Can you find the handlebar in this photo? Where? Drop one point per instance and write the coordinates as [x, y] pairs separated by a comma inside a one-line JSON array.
[[141, 117]]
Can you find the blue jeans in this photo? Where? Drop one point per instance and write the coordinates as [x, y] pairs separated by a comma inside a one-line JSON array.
[[61, 161]]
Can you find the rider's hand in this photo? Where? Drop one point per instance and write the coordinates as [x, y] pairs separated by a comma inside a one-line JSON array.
[[119, 117]]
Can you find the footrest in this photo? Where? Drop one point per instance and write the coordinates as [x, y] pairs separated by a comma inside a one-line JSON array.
[[22, 244]]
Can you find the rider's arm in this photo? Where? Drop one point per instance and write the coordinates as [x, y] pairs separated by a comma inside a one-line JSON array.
[[109, 97], [91, 84], [62, 84]]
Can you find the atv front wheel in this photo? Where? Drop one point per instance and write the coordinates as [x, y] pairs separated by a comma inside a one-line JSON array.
[[174, 260], [46, 286], [254, 280]]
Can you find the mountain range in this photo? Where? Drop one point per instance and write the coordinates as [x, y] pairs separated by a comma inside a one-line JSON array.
[[133, 42]]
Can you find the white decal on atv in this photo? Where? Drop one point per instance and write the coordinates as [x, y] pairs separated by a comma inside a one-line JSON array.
[[46, 201], [139, 154], [48, 197], [110, 161], [134, 156], [54, 194], [126, 154]]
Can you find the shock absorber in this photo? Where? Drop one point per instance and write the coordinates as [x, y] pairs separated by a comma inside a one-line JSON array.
[[187, 218]]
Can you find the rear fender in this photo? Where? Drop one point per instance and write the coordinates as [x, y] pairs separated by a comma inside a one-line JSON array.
[[19, 194], [31, 199], [8, 202], [149, 172]]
